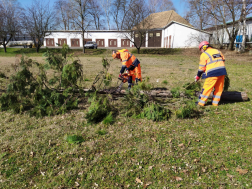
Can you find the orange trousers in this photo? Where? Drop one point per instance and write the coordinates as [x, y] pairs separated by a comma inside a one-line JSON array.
[[212, 82]]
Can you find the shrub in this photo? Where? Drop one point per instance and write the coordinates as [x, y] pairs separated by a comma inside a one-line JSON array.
[[33, 92]]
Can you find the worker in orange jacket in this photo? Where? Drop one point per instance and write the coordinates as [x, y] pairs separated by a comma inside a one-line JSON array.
[[211, 67], [129, 63]]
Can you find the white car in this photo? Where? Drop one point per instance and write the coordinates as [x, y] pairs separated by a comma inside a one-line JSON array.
[[91, 45]]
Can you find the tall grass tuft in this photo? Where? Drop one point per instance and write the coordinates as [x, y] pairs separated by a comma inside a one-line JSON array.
[[165, 82], [74, 139]]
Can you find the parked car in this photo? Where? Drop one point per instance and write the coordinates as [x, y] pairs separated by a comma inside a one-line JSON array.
[[91, 45]]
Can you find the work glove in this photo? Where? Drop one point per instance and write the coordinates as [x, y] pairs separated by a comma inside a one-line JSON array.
[[120, 75], [196, 78]]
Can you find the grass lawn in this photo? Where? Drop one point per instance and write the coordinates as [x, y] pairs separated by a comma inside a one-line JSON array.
[[211, 150]]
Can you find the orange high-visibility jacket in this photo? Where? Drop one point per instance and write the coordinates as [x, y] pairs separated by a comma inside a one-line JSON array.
[[130, 62], [128, 59], [212, 63]]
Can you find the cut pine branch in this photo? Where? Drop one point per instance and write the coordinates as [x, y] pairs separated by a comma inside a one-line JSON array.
[[226, 96]]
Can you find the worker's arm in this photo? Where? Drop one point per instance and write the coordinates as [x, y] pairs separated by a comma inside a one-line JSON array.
[[202, 64], [123, 69]]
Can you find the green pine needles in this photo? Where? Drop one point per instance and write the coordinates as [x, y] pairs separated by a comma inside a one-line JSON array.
[[39, 95], [99, 109], [189, 110], [155, 112]]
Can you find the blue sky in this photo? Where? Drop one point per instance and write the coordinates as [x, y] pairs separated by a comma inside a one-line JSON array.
[[178, 4]]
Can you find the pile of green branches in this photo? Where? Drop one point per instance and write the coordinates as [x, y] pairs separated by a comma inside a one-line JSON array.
[[40, 96]]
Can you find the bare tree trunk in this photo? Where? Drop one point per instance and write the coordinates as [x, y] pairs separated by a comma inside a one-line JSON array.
[[243, 27], [138, 50], [4, 47], [231, 44], [83, 41]]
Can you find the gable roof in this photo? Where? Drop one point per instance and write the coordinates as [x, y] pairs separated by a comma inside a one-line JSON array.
[[162, 19]]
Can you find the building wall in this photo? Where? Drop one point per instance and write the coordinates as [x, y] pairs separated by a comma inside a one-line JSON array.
[[93, 35], [223, 35], [173, 36], [179, 36]]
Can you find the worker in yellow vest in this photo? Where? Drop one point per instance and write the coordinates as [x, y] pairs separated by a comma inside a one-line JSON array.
[[129, 63], [211, 67]]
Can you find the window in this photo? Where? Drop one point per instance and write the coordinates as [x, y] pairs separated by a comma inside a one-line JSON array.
[[101, 42], [77, 42], [114, 42], [110, 42], [151, 34], [136, 35], [157, 34], [127, 42]]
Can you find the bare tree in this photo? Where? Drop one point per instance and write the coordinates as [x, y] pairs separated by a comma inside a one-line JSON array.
[[160, 5], [115, 12], [38, 20], [97, 14], [63, 13], [243, 26], [225, 11], [9, 21], [138, 23], [106, 5], [82, 18], [119, 12], [196, 14]]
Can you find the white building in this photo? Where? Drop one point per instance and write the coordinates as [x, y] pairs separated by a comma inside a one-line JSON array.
[[222, 35], [168, 30]]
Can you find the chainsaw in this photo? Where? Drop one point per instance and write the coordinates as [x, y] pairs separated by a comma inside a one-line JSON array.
[[124, 78]]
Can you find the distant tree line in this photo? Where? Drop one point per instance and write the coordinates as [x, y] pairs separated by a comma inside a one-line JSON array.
[[38, 18]]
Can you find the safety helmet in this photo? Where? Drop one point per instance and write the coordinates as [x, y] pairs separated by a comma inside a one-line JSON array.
[[204, 45], [115, 54]]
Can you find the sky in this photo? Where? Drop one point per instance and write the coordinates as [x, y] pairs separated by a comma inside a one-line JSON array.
[[178, 4]]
